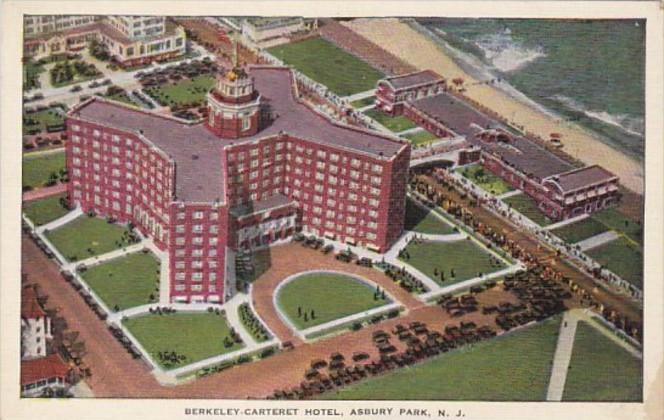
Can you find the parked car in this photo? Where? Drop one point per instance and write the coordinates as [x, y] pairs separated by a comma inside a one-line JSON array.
[[76, 88]]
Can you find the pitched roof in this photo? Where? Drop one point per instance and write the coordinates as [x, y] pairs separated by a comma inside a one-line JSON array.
[[44, 368], [582, 177], [405, 81], [30, 307]]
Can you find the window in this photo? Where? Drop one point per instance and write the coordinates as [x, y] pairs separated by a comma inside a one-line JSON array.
[[197, 215]]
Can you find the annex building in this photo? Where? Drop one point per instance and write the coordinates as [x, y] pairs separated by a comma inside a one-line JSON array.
[[560, 189], [131, 40], [261, 167]]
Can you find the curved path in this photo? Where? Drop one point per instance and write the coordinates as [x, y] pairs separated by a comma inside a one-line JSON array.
[[288, 260]]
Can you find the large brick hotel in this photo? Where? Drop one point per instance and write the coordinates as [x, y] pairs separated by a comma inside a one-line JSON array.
[[262, 166]]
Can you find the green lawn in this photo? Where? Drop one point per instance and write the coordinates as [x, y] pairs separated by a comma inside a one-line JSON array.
[[122, 97], [621, 257], [126, 281], [600, 370], [421, 137], [515, 367], [617, 221], [37, 169], [395, 124], [324, 62], [31, 72], [423, 220], [183, 92], [35, 122], [464, 257], [528, 207], [331, 296], [484, 179], [86, 237], [45, 210], [197, 336], [361, 103], [579, 231]]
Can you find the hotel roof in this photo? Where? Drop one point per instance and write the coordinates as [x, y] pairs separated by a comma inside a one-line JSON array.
[[197, 151], [409, 80], [582, 177], [463, 119]]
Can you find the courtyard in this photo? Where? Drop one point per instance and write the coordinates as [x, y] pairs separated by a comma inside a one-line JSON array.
[[45, 210], [43, 169], [343, 73], [395, 124], [528, 207], [449, 263], [184, 93], [125, 282], [420, 138], [423, 220], [484, 179], [178, 339], [316, 298], [88, 236]]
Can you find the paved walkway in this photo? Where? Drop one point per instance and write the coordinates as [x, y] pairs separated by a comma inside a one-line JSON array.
[[509, 194], [566, 222], [366, 108], [597, 240], [74, 214], [44, 192], [562, 357], [411, 131], [99, 259], [360, 95], [81, 390]]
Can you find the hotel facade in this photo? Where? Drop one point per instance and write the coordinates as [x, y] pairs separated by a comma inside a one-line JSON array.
[[261, 167]]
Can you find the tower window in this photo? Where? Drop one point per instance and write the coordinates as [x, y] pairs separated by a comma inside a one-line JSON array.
[[246, 124]]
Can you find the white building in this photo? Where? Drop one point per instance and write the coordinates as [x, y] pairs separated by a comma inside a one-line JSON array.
[[35, 326]]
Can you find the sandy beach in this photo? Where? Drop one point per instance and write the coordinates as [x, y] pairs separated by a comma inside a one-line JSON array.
[[416, 49]]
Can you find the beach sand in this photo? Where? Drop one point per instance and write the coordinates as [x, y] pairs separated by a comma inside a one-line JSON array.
[[418, 50]]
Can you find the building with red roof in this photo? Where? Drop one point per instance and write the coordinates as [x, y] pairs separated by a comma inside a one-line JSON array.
[[262, 166], [46, 372]]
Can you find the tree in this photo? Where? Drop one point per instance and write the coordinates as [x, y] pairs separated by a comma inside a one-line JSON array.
[[313, 314]]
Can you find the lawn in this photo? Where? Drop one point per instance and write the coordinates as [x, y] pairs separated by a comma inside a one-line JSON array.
[[128, 281], [528, 207], [35, 122], [579, 231], [514, 367], [31, 72], [617, 221], [324, 62], [183, 92], [621, 257], [46, 209], [122, 97], [421, 137], [361, 103], [196, 336], [600, 370], [87, 236], [39, 168], [464, 257], [484, 179], [331, 296], [423, 220], [396, 124]]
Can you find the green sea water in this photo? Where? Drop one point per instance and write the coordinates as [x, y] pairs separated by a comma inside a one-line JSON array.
[[586, 72]]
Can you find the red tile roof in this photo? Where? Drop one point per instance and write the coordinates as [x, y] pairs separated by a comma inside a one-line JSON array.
[[35, 370], [30, 307], [583, 177]]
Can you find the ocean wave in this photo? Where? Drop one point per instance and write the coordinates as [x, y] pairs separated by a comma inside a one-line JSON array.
[[627, 123], [506, 54]]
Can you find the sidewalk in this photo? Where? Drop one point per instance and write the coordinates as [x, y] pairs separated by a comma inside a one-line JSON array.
[[44, 192], [562, 357], [566, 222], [597, 240]]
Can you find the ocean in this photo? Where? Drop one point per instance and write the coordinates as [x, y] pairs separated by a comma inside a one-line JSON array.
[[587, 72]]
